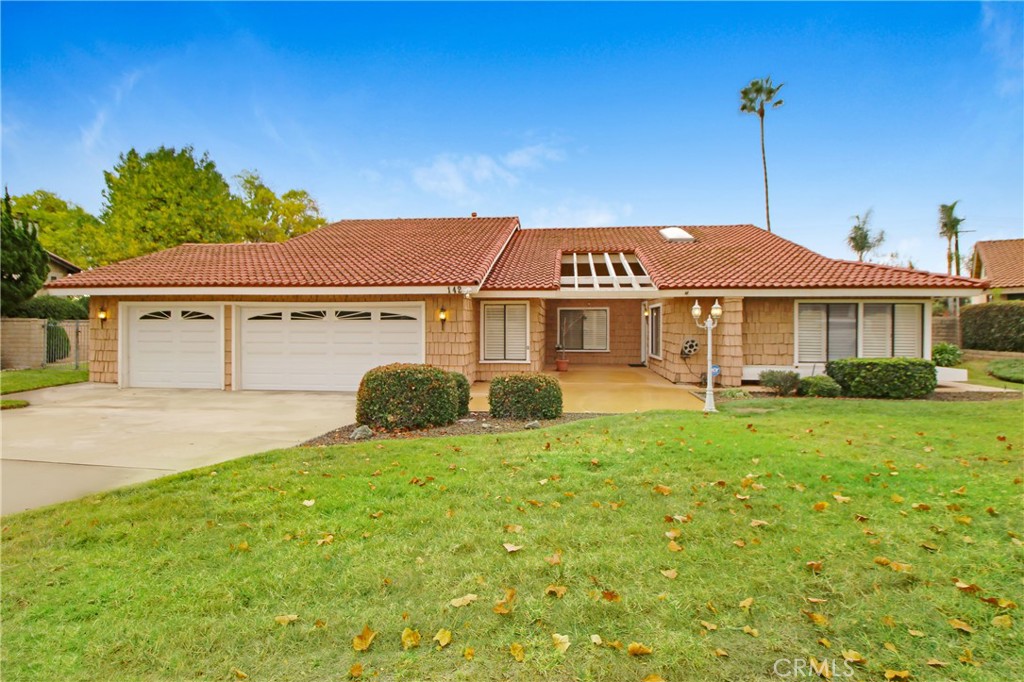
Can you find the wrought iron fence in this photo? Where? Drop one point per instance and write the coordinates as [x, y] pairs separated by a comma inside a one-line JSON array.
[[67, 342]]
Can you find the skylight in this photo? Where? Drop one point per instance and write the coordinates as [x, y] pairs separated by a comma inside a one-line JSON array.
[[675, 234], [604, 271]]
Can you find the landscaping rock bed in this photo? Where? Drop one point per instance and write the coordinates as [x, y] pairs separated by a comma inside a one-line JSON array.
[[475, 424]]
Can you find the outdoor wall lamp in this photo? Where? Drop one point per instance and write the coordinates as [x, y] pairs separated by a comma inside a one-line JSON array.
[[102, 315], [443, 316], [709, 324], [647, 310]]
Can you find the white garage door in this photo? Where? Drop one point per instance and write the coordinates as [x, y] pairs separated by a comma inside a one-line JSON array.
[[172, 346], [325, 348]]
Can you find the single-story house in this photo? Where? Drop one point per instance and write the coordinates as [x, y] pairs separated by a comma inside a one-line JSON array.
[[1001, 262], [484, 296]]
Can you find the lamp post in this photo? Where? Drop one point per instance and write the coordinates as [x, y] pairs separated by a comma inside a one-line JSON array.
[[709, 324]]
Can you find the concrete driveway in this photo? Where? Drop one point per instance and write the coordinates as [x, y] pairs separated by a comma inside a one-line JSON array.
[[86, 438]]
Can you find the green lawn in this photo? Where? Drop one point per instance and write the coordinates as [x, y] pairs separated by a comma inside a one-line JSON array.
[[977, 373], [183, 578], [14, 381], [12, 404]]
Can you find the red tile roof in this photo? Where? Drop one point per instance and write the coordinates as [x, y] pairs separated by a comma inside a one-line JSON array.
[[349, 253], [1003, 260], [721, 257]]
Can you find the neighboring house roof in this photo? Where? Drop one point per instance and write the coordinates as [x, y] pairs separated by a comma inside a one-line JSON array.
[[720, 256], [1003, 262], [349, 253], [496, 254], [67, 265]]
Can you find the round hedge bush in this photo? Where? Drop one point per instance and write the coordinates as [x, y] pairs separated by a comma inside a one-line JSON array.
[[897, 378], [528, 395], [821, 386], [947, 354], [405, 396]]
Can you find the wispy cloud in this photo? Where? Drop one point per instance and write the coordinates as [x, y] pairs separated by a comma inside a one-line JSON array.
[[581, 212], [92, 133], [533, 156], [461, 177], [1001, 30]]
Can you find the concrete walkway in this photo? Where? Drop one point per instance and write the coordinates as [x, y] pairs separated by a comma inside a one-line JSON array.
[[609, 390], [86, 438]]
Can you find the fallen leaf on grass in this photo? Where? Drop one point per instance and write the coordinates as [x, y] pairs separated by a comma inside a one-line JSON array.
[[653, 677], [308, 503], [638, 649], [958, 624], [816, 618], [239, 674], [751, 631], [662, 490], [820, 668], [512, 528], [936, 663], [611, 595], [897, 674], [820, 506], [1000, 602], [670, 573], [739, 543], [816, 600], [968, 657], [517, 651], [840, 499], [560, 642], [708, 626], [915, 633], [674, 546], [746, 603], [555, 559], [503, 605], [1003, 621], [758, 523], [814, 566], [510, 548], [596, 639], [356, 670], [673, 534], [410, 639], [557, 591], [468, 653], [825, 643], [443, 638], [284, 620], [851, 656], [889, 646], [463, 601], [364, 639]]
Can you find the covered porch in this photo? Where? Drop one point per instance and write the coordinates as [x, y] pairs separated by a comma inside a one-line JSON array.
[[609, 389]]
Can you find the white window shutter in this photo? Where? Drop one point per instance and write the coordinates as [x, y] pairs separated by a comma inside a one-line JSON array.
[[595, 330], [877, 330], [494, 332], [908, 330], [842, 330], [516, 341], [811, 332]]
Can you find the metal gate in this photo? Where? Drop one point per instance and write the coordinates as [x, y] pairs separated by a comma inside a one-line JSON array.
[[67, 342]]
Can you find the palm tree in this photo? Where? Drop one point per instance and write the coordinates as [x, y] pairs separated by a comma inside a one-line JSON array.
[[860, 239], [949, 227], [753, 100]]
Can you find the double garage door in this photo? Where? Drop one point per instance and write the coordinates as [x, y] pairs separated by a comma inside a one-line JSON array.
[[312, 347]]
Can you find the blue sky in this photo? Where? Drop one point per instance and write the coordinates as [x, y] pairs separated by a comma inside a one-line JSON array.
[[567, 114]]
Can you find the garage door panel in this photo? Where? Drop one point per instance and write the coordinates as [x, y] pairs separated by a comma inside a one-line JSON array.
[[326, 348], [175, 347]]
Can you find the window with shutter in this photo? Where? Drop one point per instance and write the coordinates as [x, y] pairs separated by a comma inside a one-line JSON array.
[[583, 329], [877, 329], [842, 331], [506, 333], [811, 330], [908, 330]]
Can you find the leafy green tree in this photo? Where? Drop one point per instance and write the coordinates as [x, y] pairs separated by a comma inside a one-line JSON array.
[[860, 239], [66, 229], [761, 93], [270, 218], [164, 198], [949, 228], [23, 261]]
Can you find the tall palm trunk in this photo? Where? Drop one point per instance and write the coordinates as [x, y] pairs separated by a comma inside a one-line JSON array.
[[949, 255], [764, 165], [956, 251]]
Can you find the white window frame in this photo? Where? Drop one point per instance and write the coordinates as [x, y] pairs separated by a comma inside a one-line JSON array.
[[607, 332], [483, 332], [650, 330], [926, 326]]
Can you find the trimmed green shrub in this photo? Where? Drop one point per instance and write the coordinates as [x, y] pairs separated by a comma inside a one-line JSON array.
[[1011, 369], [58, 345], [462, 384], [946, 354], [528, 395], [404, 396], [898, 378], [993, 326], [821, 386], [52, 308], [781, 381]]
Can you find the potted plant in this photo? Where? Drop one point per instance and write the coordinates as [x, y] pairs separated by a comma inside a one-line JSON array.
[[561, 361]]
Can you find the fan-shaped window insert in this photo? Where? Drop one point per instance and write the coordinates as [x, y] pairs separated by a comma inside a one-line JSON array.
[[156, 315], [309, 315], [395, 316], [195, 315], [353, 314], [267, 316]]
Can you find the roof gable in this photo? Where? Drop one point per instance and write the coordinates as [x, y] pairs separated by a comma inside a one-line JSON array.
[[1003, 261]]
